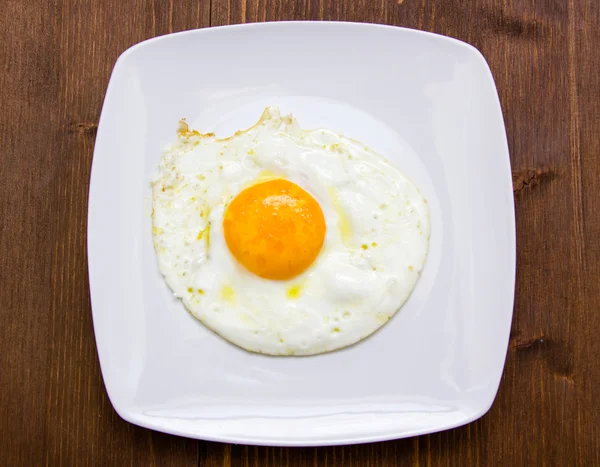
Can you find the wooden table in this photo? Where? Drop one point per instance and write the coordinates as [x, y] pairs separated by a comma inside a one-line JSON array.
[[56, 58]]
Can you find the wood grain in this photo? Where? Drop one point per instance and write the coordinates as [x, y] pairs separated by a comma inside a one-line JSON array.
[[56, 59]]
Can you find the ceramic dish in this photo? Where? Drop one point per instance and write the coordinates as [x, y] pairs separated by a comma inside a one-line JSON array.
[[427, 102]]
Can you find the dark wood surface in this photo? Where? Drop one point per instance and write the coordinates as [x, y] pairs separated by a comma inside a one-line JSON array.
[[55, 60]]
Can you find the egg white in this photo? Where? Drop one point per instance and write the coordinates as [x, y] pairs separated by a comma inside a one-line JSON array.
[[375, 245]]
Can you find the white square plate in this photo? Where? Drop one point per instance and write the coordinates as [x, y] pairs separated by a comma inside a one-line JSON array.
[[426, 101]]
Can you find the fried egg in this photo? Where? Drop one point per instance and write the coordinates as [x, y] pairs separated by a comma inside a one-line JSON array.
[[285, 241]]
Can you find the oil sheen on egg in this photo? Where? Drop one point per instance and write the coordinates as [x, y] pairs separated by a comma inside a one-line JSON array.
[[284, 241]]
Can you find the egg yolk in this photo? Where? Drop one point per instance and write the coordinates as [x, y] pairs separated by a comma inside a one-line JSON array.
[[275, 229]]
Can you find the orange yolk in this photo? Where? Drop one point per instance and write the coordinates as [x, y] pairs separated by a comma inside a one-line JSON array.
[[275, 229]]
